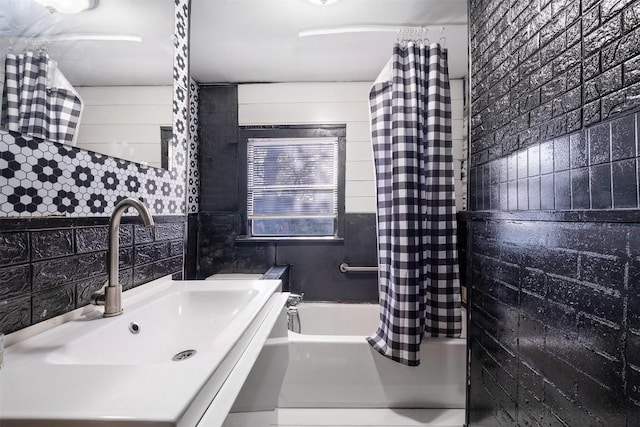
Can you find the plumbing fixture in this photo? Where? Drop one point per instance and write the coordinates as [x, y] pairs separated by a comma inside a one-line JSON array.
[[293, 317], [134, 328], [183, 355], [294, 300], [111, 295]]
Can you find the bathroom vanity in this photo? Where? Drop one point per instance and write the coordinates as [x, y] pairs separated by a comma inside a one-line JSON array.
[[178, 356]]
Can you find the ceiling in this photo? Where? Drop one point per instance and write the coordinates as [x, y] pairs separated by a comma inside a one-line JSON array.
[[257, 40], [231, 40]]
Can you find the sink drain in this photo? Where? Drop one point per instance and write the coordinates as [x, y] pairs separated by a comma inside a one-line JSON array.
[[134, 328], [183, 355]]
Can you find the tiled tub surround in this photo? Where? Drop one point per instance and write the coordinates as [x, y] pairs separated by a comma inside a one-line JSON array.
[[50, 266]]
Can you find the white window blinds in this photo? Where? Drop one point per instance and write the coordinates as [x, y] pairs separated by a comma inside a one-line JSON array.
[[292, 186]]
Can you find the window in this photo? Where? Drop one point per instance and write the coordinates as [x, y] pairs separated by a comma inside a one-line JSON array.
[[294, 182]]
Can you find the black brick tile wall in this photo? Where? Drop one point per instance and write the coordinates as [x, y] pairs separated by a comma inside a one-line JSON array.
[[547, 69], [49, 267], [555, 128], [553, 327]]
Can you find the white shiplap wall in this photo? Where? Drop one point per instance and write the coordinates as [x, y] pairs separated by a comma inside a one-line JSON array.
[[124, 121], [331, 103]]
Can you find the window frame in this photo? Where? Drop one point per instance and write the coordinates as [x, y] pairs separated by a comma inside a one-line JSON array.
[[291, 131]]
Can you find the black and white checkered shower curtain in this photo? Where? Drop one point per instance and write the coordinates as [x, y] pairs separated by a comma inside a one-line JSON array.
[[32, 108], [417, 254]]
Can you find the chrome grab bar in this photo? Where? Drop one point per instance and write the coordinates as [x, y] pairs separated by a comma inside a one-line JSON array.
[[346, 268]]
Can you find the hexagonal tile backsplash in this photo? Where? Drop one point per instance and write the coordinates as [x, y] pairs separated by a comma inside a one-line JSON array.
[[43, 178]]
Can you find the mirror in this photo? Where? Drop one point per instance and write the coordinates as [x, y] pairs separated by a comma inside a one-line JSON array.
[[117, 56]]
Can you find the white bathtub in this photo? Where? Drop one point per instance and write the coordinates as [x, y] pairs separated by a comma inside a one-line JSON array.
[[331, 365]]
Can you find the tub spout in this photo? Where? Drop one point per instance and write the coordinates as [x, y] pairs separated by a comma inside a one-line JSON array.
[[111, 296]]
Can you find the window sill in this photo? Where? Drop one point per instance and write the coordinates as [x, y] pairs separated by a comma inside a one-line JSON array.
[[319, 239]]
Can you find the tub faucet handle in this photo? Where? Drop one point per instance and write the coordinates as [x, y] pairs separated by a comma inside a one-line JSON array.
[[295, 299]]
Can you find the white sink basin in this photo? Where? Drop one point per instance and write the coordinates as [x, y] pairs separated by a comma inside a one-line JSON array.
[[132, 376], [188, 319]]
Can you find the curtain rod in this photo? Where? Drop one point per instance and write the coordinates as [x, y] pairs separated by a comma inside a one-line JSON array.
[[78, 37], [372, 29]]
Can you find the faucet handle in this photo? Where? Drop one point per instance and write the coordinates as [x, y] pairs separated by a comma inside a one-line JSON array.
[[294, 299], [98, 298]]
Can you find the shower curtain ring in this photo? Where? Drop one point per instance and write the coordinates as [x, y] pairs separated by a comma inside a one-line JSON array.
[[442, 39]]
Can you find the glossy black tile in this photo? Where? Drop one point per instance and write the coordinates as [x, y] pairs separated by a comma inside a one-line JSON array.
[[150, 253], [85, 288], [623, 138], [504, 196], [14, 248], [573, 337], [125, 258], [177, 247], [523, 195], [15, 313], [53, 273], [169, 231], [561, 154], [142, 273], [580, 194], [91, 239], [473, 178], [562, 190], [51, 243], [52, 302], [512, 195], [142, 234], [322, 280], [534, 193], [599, 144], [523, 164], [625, 184], [14, 281], [486, 176], [167, 266], [547, 192], [600, 183], [502, 165], [126, 279], [512, 167], [360, 238], [534, 160], [494, 168], [484, 199], [89, 265], [546, 157], [578, 153], [494, 197]]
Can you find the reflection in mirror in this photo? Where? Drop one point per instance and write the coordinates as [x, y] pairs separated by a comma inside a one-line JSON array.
[[108, 69]]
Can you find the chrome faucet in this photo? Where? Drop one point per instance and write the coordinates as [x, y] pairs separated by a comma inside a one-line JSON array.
[[111, 295]]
